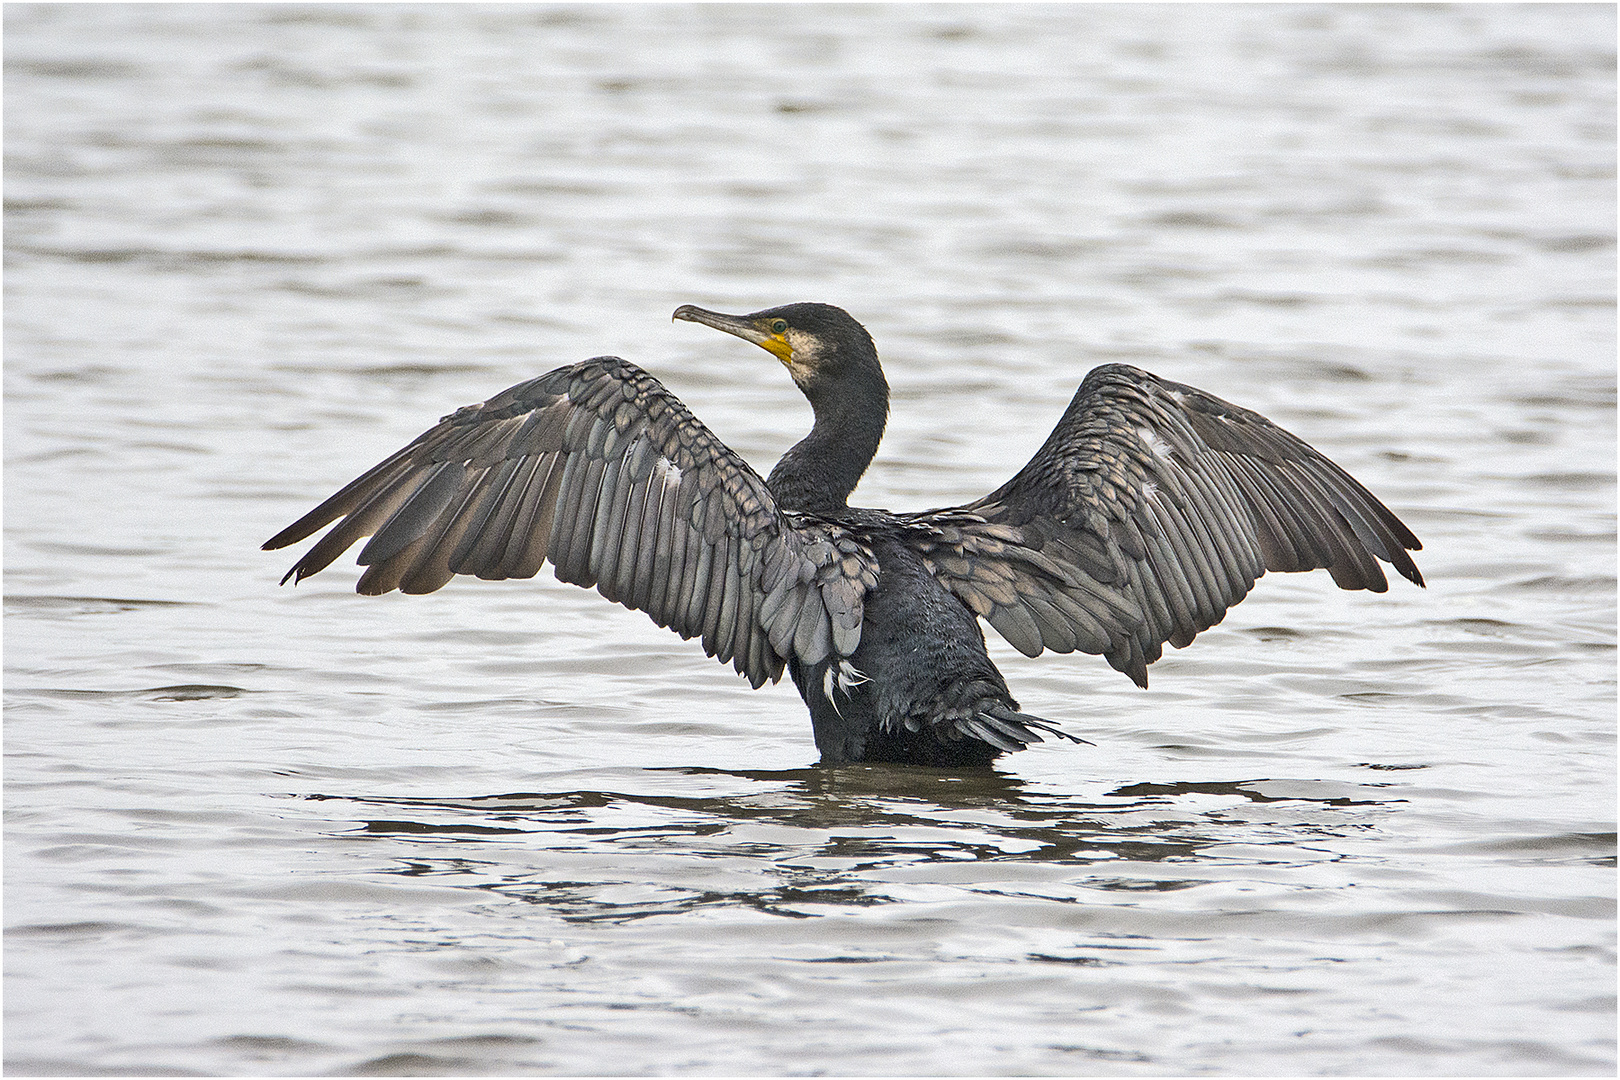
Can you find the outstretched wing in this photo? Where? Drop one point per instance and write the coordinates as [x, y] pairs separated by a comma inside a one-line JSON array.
[[1150, 510], [601, 471]]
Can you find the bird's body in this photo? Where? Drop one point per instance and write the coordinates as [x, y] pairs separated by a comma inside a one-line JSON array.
[[921, 662], [1150, 510]]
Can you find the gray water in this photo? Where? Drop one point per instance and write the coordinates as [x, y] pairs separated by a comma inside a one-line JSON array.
[[511, 828]]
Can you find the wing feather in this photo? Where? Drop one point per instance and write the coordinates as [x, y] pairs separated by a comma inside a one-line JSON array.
[[1175, 568], [599, 470], [430, 570], [573, 560], [491, 493], [658, 555], [607, 528], [394, 486], [639, 543], [564, 516], [1151, 509], [415, 514], [532, 532]]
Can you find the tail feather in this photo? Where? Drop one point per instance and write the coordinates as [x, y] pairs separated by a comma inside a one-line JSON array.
[[1001, 735], [1014, 728]]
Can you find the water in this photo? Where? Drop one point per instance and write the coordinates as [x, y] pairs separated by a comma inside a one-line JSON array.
[[511, 828]]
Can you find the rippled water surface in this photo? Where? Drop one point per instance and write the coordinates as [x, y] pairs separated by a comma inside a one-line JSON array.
[[512, 828]]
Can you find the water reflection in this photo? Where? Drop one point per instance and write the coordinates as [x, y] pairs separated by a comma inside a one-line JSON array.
[[806, 842]]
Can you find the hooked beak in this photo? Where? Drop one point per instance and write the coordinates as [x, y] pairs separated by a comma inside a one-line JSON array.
[[739, 325]]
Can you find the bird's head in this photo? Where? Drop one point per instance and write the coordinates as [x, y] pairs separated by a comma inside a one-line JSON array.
[[819, 344]]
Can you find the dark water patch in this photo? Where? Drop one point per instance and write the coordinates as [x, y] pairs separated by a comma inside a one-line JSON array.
[[806, 107], [1594, 849], [1465, 902], [37, 205], [173, 448], [1582, 302], [1571, 393], [1573, 481], [1277, 633], [216, 152], [1076, 961], [270, 1047], [1269, 299], [1577, 243], [1097, 1053], [397, 371], [167, 259], [420, 827], [1148, 885], [91, 373], [411, 1064], [491, 218], [1424, 258], [409, 370], [1039, 249], [613, 902], [1571, 536], [278, 73], [344, 18], [485, 1042], [73, 1067], [48, 166], [1537, 63], [1256, 791], [86, 68], [381, 287], [1347, 373], [1562, 585], [1526, 437], [59, 606], [1485, 627], [90, 929], [183, 692], [1156, 277], [582, 188], [1194, 219]]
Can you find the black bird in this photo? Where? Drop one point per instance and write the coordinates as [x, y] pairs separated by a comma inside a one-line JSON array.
[[1150, 510]]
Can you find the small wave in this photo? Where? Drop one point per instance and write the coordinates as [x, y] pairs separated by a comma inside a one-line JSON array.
[[56, 606], [167, 259], [182, 692], [89, 928], [1557, 583], [87, 69]]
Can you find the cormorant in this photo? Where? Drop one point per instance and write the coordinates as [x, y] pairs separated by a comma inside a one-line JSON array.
[[1151, 509]]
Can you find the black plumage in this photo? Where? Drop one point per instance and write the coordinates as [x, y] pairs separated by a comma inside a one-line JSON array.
[[1150, 510]]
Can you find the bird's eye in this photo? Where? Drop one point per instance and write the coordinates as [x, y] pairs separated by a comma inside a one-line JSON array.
[[778, 327]]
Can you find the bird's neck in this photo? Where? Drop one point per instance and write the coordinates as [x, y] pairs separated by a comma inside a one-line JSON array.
[[821, 470]]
